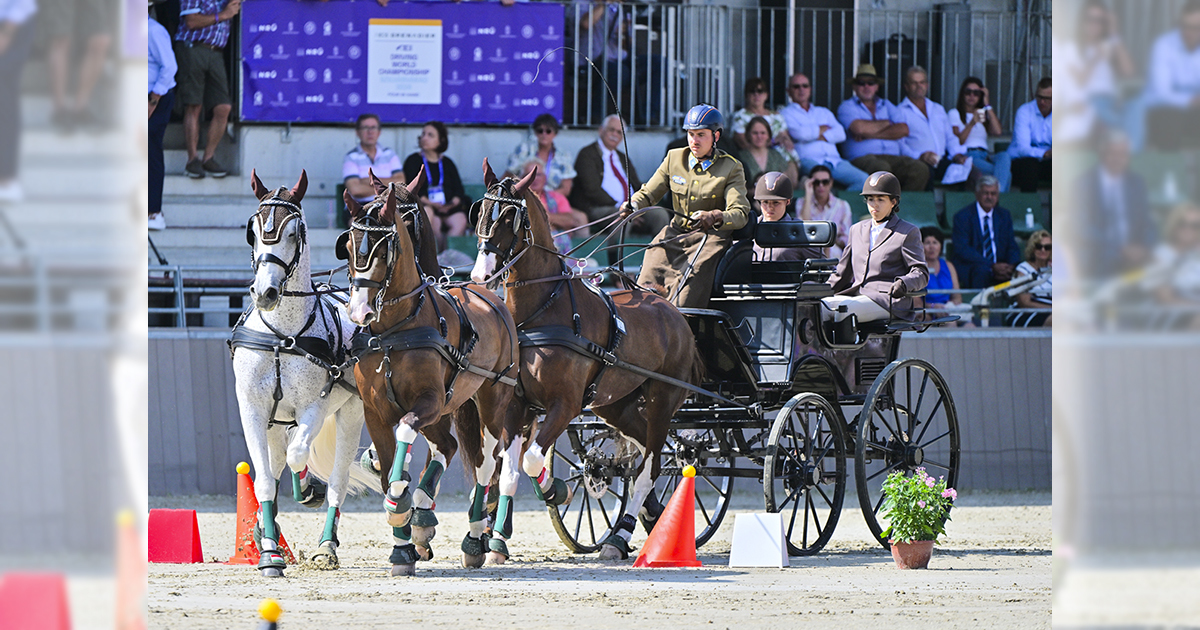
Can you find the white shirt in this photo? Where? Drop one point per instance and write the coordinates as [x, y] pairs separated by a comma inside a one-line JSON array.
[[986, 221], [926, 131], [1174, 71], [976, 138], [17, 11], [1114, 192], [1031, 132], [876, 229], [804, 126], [611, 184]]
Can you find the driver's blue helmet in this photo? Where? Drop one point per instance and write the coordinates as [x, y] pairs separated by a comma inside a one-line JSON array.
[[704, 117]]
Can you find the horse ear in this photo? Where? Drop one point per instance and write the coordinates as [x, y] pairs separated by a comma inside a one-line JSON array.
[[489, 177], [388, 213], [525, 181], [256, 185], [352, 206], [301, 187], [416, 181], [376, 182]]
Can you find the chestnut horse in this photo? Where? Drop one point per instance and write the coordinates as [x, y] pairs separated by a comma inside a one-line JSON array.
[[571, 349], [423, 353]]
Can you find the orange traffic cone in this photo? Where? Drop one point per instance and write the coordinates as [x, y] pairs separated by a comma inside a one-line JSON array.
[[131, 575], [246, 552], [672, 543]]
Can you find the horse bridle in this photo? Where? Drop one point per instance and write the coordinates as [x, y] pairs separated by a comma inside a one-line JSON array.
[[485, 231], [273, 233], [389, 235]]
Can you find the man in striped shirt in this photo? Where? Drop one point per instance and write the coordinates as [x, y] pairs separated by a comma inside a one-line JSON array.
[[199, 45]]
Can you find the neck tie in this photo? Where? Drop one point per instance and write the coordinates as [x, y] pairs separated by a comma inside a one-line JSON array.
[[612, 161], [989, 251]]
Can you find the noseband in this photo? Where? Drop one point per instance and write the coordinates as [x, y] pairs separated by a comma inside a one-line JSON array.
[[362, 265], [485, 228], [272, 233]]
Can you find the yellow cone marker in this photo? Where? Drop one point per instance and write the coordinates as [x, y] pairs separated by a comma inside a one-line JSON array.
[[270, 610], [689, 471], [243, 468]]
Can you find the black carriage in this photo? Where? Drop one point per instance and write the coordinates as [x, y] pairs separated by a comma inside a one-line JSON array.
[[811, 410]]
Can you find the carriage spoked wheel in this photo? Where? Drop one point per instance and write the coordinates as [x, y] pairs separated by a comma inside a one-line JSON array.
[[597, 468], [908, 421], [804, 475], [701, 448]]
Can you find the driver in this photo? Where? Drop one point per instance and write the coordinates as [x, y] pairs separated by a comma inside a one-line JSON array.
[[883, 261], [708, 187]]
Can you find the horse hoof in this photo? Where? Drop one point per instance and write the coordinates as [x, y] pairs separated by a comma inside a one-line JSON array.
[[609, 553], [325, 558], [399, 519], [495, 557], [405, 570], [422, 535], [271, 572], [472, 562], [424, 553]]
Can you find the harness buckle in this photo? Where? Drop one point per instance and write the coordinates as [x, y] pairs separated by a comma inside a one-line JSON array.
[[373, 343], [287, 343]]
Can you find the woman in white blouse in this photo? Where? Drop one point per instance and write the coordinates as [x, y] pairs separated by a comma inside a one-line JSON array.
[[971, 122], [757, 96]]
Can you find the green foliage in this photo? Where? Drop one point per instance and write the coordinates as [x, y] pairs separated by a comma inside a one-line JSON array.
[[916, 507]]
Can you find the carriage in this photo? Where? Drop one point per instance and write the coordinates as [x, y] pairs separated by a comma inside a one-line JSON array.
[[801, 408]]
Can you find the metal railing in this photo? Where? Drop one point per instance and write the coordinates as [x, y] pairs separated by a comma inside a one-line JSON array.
[[42, 297]]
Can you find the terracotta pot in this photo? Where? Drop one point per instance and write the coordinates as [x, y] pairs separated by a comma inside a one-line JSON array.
[[912, 555]]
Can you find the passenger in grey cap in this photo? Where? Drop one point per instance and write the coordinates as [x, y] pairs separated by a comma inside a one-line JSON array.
[[773, 193]]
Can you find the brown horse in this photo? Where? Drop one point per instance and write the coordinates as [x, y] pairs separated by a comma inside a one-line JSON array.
[[568, 347], [425, 352]]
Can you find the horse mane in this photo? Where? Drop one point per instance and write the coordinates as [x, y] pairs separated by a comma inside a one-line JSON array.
[[419, 231]]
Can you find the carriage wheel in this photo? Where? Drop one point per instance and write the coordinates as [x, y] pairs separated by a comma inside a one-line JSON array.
[[596, 469], [907, 421], [713, 484], [804, 475]]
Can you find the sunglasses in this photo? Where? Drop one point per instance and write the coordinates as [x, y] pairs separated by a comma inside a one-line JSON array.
[[799, 86], [973, 92], [544, 130], [862, 83], [1042, 98], [1043, 247], [760, 90], [822, 182]]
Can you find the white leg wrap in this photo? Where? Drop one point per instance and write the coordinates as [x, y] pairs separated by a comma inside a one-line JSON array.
[[405, 433], [534, 460], [509, 475], [483, 474], [477, 528]]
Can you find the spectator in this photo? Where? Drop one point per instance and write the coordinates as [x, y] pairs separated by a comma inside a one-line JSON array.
[[875, 129], [441, 190], [1173, 84], [985, 250], [773, 195], [708, 187], [757, 96], [200, 42], [601, 28], [161, 95], [1094, 63], [562, 215], [1038, 258], [880, 266], [1030, 148], [1118, 234], [820, 204], [604, 179], [759, 157], [816, 131], [927, 126], [63, 19], [971, 122], [943, 276], [368, 157], [16, 40], [559, 166], [1176, 268]]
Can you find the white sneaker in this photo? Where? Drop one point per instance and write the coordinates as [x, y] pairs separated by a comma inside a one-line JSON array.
[[157, 221], [12, 191]]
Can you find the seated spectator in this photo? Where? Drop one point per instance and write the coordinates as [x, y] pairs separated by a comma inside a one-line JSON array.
[[757, 97], [368, 156], [772, 195], [1117, 233], [942, 274], [604, 179], [971, 122], [562, 215], [1172, 93], [559, 166], [441, 190], [927, 126], [1093, 64], [815, 132], [880, 266], [1030, 148], [1175, 273], [985, 250], [1038, 260], [875, 128], [820, 204], [760, 157]]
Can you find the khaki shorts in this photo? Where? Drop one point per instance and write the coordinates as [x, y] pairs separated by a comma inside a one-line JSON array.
[[201, 78]]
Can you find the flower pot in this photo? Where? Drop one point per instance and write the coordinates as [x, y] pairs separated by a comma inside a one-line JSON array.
[[912, 555]]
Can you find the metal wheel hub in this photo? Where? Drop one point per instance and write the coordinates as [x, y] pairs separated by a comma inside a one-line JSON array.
[[914, 456]]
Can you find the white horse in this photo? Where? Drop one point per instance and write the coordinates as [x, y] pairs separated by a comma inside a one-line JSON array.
[[286, 352]]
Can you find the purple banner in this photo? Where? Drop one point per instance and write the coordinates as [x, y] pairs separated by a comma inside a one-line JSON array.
[[407, 62]]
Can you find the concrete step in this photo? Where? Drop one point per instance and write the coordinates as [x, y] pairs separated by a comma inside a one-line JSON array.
[[215, 211], [227, 246]]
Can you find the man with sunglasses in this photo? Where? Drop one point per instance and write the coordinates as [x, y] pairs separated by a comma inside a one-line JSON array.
[[369, 156], [1031, 145], [875, 128], [560, 165], [820, 204], [816, 132], [1173, 86]]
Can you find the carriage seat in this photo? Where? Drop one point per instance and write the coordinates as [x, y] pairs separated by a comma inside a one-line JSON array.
[[739, 273]]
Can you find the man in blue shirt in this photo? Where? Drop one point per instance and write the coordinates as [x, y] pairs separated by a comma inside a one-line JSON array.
[[1030, 148], [815, 132], [1172, 92], [874, 129]]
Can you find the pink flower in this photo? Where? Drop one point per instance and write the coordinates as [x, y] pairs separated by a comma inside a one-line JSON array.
[[930, 482], [920, 504], [946, 493]]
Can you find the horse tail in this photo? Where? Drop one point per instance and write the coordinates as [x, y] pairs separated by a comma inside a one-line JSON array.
[[469, 427], [321, 457]]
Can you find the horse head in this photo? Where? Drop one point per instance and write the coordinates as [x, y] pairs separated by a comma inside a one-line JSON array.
[[278, 237], [382, 260], [503, 222]]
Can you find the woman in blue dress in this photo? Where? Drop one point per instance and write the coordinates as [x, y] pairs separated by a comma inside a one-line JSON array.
[[942, 274]]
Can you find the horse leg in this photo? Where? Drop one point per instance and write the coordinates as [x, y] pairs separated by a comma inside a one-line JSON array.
[[550, 489], [254, 427], [270, 562], [398, 500], [307, 491], [475, 543], [441, 449], [348, 421]]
